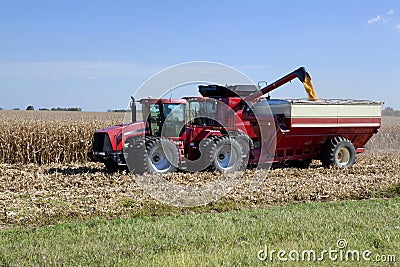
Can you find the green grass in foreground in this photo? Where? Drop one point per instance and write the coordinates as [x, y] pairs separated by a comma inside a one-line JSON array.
[[230, 239]]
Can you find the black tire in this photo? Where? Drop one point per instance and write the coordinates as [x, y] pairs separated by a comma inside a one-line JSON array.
[[245, 143], [228, 155], [338, 151], [155, 156], [207, 154], [135, 156], [162, 156]]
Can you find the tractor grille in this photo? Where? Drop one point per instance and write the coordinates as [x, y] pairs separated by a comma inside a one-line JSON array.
[[101, 143]]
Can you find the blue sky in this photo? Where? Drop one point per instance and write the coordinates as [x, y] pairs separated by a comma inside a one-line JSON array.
[[95, 54]]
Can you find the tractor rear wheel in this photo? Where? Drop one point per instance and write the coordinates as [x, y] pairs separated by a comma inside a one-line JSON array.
[[228, 155], [338, 151]]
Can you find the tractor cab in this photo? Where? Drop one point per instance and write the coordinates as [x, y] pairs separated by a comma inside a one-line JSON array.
[[164, 117], [205, 111]]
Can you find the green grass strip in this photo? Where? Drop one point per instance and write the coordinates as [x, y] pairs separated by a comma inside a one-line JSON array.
[[231, 238]]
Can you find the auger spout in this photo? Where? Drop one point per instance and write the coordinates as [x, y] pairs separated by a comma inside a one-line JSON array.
[[300, 73]]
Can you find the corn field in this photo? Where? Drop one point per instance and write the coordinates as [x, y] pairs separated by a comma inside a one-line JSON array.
[[388, 137], [43, 137]]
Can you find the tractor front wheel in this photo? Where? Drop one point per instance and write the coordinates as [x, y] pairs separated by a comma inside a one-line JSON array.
[[162, 156], [155, 156]]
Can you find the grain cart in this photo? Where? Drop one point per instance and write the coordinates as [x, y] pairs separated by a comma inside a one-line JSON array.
[[229, 128]]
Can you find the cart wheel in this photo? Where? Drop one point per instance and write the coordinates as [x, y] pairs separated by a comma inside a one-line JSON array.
[[338, 151]]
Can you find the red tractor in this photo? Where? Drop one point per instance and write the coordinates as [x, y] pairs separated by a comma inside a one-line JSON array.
[[233, 127]]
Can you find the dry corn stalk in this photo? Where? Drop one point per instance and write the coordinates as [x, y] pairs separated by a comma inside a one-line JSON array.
[[48, 136]]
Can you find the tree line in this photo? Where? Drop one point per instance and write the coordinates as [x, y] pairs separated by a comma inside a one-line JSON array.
[[390, 112], [51, 109]]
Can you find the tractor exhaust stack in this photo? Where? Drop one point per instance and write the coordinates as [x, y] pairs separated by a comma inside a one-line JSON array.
[[133, 109]]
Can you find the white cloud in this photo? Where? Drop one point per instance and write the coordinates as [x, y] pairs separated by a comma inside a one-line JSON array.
[[388, 18], [374, 20]]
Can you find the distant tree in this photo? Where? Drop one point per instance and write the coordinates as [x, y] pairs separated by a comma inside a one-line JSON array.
[[43, 109], [119, 110], [1, 108], [66, 109], [15, 108], [30, 108], [390, 112], [74, 109]]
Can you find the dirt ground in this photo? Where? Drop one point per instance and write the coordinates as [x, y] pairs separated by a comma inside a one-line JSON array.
[[31, 194]]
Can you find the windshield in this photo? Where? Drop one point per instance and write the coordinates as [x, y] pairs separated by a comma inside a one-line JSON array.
[[174, 120], [165, 119]]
